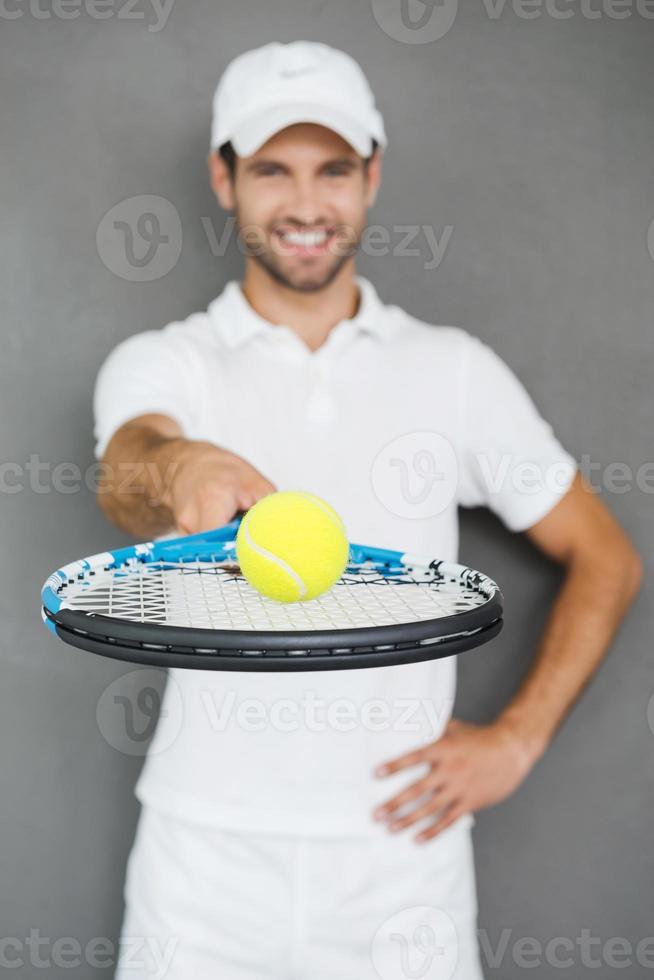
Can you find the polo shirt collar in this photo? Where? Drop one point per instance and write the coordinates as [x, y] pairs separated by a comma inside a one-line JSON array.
[[238, 322]]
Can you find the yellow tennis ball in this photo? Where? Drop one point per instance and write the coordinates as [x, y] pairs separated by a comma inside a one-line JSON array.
[[292, 546]]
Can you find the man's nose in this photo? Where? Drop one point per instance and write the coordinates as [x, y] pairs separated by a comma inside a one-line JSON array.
[[306, 205]]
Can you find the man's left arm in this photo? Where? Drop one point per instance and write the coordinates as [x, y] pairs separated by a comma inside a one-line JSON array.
[[475, 766]]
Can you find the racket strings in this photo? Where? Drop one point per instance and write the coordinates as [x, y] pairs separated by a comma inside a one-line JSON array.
[[213, 595]]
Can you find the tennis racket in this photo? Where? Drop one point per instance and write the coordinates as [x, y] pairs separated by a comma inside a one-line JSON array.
[[183, 602]]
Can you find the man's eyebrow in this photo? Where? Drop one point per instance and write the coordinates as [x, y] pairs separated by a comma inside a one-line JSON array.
[[342, 162], [263, 162]]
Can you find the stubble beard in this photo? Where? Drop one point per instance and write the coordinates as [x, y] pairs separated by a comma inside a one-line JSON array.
[[302, 281]]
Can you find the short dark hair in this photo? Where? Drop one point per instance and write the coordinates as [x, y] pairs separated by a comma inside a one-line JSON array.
[[228, 154]]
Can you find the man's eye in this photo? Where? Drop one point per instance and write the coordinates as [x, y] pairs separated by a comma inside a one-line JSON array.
[[337, 172], [269, 171]]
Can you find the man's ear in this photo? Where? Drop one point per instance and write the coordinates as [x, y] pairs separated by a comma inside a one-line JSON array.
[[221, 180], [374, 177]]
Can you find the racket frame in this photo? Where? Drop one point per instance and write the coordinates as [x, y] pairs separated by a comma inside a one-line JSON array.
[[270, 650]]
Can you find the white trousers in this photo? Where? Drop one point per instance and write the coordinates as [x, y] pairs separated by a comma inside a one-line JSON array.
[[207, 904]]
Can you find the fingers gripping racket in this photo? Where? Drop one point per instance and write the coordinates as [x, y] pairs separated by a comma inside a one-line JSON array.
[[183, 603]]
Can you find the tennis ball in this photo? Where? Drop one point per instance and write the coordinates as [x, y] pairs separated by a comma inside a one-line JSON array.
[[292, 546]]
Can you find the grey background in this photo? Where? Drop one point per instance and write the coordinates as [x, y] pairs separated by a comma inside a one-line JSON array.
[[533, 139]]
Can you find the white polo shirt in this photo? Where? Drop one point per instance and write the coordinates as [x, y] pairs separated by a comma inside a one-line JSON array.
[[396, 423]]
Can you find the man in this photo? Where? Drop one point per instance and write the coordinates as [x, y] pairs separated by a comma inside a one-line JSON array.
[[279, 829]]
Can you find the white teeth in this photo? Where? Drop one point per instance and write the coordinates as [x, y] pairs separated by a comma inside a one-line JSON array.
[[305, 240]]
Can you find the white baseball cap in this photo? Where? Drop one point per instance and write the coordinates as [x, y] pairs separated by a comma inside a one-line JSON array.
[[277, 85]]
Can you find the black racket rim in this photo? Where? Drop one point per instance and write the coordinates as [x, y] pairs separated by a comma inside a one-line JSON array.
[[274, 658], [116, 630]]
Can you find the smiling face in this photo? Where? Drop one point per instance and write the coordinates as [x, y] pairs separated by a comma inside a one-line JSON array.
[[300, 203]]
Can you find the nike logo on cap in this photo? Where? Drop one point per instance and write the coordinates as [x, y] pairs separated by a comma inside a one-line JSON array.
[[288, 72]]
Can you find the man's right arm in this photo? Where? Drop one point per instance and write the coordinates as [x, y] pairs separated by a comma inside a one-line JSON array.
[[154, 480]]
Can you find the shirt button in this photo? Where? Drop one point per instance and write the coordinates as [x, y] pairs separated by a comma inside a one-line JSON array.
[[320, 407]]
